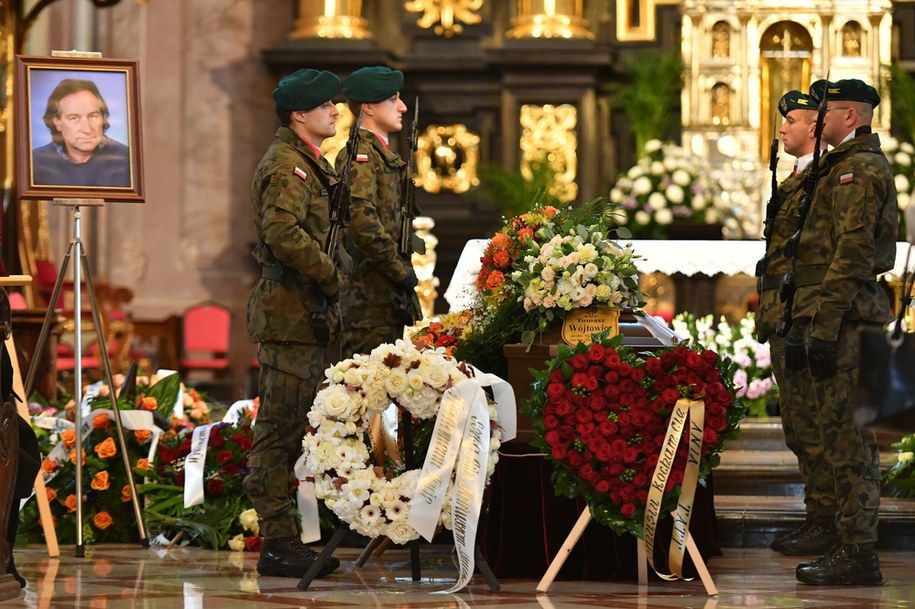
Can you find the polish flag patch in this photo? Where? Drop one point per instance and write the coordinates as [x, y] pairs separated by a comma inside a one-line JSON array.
[[300, 172], [846, 178], [362, 158]]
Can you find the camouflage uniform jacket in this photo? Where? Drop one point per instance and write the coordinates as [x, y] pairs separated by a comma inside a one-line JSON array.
[[776, 264], [850, 237], [374, 231], [289, 195]]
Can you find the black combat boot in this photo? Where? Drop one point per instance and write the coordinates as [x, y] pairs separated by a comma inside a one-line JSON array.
[[783, 537], [289, 557], [813, 539], [849, 563]]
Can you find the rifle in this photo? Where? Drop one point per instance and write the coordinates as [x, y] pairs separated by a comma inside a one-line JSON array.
[[407, 302], [788, 287], [771, 208], [342, 192]]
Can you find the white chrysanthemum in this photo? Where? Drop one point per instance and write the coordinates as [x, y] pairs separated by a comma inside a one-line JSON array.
[[902, 183], [903, 200], [616, 195], [674, 194], [889, 144], [642, 217], [681, 178], [664, 216], [635, 171], [656, 201], [657, 168], [249, 521], [903, 159], [641, 186]]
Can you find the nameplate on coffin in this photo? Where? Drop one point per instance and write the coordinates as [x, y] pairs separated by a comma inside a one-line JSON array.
[[580, 324]]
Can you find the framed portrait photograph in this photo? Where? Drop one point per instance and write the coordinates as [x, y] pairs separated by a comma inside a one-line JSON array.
[[78, 129]]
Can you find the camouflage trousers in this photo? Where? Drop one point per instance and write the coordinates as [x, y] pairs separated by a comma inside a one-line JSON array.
[[285, 400], [850, 451], [363, 340], [797, 402]]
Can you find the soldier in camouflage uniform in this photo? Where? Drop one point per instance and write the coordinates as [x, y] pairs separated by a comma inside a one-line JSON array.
[[797, 400], [847, 240], [372, 304], [290, 306]]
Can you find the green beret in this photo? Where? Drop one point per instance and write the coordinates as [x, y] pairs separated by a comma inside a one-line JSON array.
[[306, 89], [372, 84], [849, 89], [795, 100]]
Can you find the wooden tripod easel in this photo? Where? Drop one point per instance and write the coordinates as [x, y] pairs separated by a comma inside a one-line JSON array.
[[642, 557], [41, 495]]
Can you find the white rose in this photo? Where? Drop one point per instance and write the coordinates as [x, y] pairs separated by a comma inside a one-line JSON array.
[[642, 217], [902, 183], [396, 383], [437, 376], [663, 216], [354, 377], [335, 401], [415, 380], [674, 194], [641, 186], [656, 201], [681, 177], [400, 532]]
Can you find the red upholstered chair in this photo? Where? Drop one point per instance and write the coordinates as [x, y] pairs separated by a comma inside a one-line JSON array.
[[205, 340]]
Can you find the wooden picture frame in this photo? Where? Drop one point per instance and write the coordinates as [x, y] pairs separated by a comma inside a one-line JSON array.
[[96, 151]]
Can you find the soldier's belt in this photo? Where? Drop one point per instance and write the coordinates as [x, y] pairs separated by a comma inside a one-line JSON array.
[[277, 271], [804, 276]]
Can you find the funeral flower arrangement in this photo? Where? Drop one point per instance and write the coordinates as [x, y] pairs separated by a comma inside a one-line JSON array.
[[444, 331], [666, 185], [601, 413], [368, 489], [753, 376], [902, 474], [901, 156], [108, 513]]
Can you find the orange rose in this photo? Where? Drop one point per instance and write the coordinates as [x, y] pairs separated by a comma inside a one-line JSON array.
[[549, 211], [501, 241], [106, 449], [100, 482], [148, 403], [524, 234], [68, 436], [100, 421], [102, 520], [70, 502], [52, 494], [495, 279], [73, 457], [142, 463], [48, 465], [125, 493], [142, 435], [501, 258]]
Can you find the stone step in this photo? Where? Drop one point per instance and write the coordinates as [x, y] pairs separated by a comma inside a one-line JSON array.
[[753, 521]]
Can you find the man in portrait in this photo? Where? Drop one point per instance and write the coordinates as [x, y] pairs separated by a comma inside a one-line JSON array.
[[79, 154]]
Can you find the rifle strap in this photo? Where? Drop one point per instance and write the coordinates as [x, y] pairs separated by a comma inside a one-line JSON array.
[[809, 275]]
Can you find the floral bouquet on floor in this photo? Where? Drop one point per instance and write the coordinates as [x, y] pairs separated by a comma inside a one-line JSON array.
[[665, 186], [753, 377], [108, 513], [601, 413], [444, 331]]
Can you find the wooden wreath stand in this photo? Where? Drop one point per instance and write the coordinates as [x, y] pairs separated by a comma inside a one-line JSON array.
[[41, 494], [642, 557]]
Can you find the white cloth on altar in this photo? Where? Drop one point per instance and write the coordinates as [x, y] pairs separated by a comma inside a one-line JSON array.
[[668, 257]]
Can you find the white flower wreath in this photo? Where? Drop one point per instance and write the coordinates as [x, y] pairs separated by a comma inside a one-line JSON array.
[[374, 502]]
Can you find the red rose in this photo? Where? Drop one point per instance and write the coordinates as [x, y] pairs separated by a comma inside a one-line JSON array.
[[670, 396], [640, 480], [555, 391], [668, 359], [627, 385], [641, 497], [710, 437], [627, 493], [627, 510], [612, 392], [586, 471], [216, 439], [215, 487], [607, 428], [583, 415], [604, 453], [712, 376], [630, 455], [179, 479], [710, 356], [602, 487], [693, 359], [612, 359], [625, 369], [552, 437], [653, 366], [185, 447], [586, 429], [725, 398], [597, 353], [224, 456], [254, 543], [230, 470], [579, 379], [556, 376], [578, 362], [627, 400], [590, 383], [550, 422], [563, 408], [637, 375], [566, 432], [623, 418], [575, 458], [559, 452]]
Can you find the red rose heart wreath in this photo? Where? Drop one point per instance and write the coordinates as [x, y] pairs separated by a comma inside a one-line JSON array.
[[601, 413]]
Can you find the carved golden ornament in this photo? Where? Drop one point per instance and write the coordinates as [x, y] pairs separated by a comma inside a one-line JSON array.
[[330, 19], [424, 266], [550, 19], [332, 146], [447, 157], [548, 132], [445, 16]]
